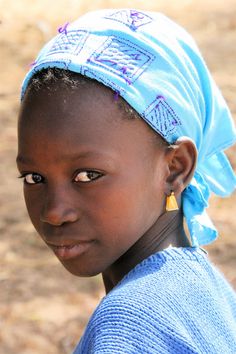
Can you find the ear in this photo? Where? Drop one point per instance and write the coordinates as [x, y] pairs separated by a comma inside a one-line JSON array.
[[182, 159]]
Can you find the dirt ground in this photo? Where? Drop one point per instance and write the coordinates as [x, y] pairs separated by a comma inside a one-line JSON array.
[[43, 309]]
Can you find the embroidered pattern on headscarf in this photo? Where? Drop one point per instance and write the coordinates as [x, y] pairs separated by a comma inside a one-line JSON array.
[[131, 18], [123, 58], [63, 29], [161, 117], [70, 41]]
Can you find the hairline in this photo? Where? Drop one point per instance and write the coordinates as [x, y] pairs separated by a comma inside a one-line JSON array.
[[46, 78]]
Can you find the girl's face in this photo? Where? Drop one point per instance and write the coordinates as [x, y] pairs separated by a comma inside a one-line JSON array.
[[94, 181]]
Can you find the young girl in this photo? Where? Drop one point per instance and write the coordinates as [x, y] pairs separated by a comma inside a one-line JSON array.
[[121, 136]]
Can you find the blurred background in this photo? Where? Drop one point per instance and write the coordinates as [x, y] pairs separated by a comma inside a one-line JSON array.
[[43, 309]]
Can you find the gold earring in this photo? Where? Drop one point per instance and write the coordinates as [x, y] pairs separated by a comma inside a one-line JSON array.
[[171, 203]]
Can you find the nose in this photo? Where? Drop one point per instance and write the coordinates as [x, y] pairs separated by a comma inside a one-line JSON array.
[[58, 209]]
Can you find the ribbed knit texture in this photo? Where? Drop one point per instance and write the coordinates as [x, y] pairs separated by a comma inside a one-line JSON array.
[[175, 301]]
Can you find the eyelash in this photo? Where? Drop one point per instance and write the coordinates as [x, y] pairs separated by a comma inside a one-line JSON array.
[[25, 175], [98, 175], [75, 179]]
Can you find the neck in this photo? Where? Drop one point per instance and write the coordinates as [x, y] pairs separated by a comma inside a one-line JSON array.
[[167, 231]]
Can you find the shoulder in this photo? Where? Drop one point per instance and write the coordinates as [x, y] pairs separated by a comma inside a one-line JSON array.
[[160, 307], [125, 324], [134, 318]]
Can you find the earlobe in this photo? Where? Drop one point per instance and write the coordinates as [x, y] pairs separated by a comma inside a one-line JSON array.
[[182, 159]]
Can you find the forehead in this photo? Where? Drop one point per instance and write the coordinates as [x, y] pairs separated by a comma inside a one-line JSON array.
[[85, 115], [57, 103]]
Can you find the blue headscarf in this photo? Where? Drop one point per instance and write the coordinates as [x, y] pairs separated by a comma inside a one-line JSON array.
[[157, 68]]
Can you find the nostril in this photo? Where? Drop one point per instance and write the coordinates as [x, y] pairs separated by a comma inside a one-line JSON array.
[[59, 216], [52, 220]]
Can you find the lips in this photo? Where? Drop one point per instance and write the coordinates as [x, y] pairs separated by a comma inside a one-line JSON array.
[[64, 246], [70, 250]]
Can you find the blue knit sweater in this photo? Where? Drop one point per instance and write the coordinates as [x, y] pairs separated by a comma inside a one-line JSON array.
[[175, 301]]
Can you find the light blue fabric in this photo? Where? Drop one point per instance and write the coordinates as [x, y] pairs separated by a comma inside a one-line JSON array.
[[157, 68], [174, 301]]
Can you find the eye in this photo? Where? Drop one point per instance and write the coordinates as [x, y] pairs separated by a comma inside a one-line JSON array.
[[87, 176], [32, 178]]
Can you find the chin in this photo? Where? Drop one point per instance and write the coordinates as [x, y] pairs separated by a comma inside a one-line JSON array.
[[82, 272]]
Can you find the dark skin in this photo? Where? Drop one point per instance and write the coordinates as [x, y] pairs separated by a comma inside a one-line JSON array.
[[95, 183]]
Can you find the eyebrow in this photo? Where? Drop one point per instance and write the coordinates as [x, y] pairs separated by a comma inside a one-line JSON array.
[[22, 159], [83, 155]]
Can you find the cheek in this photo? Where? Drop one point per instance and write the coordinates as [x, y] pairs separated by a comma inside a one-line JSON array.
[[143, 211], [33, 205], [127, 213]]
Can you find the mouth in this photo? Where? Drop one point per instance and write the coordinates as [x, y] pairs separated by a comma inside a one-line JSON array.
[[68, 251]]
